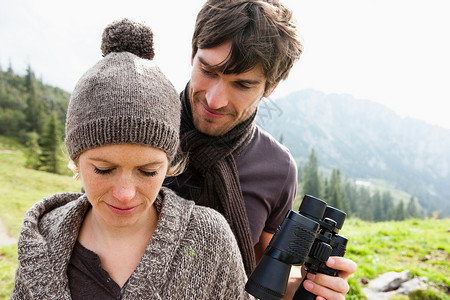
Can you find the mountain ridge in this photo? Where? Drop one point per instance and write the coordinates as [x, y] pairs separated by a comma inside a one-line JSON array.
[[364, 139]]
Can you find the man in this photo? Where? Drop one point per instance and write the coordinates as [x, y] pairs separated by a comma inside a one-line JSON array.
[[241, 50]]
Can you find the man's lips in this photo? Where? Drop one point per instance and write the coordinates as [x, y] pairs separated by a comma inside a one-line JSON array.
[[121, 211], [210, 113]]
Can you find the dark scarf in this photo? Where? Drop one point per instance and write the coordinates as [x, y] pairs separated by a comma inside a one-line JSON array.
[[213, 158]]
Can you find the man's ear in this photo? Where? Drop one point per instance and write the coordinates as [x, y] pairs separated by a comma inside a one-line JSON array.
[[270, 90]]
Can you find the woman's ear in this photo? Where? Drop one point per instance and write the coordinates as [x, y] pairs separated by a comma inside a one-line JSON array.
[[75, 169]]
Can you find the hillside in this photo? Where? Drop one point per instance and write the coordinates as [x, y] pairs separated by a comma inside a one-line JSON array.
[[376, 247], [365, 140], [26, 104]]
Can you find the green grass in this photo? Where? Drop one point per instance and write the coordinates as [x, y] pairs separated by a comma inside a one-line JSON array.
[[8, 263], [422, 246], [19, 189]]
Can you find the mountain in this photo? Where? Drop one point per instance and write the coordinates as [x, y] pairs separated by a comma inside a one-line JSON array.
[[365, 140]]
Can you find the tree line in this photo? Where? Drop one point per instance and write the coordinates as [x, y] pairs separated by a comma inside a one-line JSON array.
[[34, 113], [355, 200]]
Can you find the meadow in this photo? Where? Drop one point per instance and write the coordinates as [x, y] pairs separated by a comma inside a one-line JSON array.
[[19, 189], [422, 246]]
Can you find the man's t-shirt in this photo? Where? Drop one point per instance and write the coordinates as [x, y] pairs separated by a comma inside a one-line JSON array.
[[268, 178]]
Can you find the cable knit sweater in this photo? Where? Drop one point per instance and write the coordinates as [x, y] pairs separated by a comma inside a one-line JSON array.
[[192, 255]]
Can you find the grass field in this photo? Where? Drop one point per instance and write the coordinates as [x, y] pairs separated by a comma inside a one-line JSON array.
[[19, 189], [422, 246]]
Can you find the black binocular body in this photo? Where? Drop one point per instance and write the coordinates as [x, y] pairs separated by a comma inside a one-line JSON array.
[[307, 238]]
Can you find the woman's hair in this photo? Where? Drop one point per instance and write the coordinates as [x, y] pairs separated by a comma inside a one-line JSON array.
[[177, 166], [261, 33]]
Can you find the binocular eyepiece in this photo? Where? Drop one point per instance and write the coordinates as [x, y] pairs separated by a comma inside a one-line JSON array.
[[305, 238]]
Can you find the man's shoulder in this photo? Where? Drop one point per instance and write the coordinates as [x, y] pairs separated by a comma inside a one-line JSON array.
[[264, 144], [266, 137], [265, 154]]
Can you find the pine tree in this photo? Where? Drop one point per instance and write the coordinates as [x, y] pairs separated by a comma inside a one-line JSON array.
[[30, 83], [35, 107], [365, 207], [311, 180], [49, 143], [335, 194], [10, 69], [332, 194], [33, 151], [351, 193], [299, 174], [378, 212], [399, 212], [387, 206], [412, 210]]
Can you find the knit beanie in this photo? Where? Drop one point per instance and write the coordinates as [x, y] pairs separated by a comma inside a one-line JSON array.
[[124, 98]]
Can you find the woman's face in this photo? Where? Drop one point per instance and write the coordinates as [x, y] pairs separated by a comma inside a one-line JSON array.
[[122, 181]]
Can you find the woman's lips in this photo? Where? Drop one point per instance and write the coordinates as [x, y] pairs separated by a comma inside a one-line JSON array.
[[211, 114], [121, 211]]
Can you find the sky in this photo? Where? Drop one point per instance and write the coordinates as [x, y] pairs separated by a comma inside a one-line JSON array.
[[394, 52]]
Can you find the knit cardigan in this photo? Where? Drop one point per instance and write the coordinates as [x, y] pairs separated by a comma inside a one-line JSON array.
[[192, 255]]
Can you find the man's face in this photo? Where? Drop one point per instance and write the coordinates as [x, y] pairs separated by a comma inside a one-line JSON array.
[[221, 101]]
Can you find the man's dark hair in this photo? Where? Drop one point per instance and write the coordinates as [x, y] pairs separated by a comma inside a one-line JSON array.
[[261, 33]]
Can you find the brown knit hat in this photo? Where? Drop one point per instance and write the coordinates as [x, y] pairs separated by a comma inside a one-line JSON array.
[[124, 98]]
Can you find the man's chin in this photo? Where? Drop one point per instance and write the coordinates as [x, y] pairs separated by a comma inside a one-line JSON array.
[[211, 129]]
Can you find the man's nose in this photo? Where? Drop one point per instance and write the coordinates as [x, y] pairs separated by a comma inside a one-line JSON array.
[[216, 96]]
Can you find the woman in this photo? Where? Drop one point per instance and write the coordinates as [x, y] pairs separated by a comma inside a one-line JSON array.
[[126, 237]]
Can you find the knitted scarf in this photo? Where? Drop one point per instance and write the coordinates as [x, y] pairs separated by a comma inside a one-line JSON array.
[[213, 158]]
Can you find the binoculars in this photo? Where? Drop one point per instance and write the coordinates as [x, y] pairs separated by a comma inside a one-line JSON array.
[[307, 238]]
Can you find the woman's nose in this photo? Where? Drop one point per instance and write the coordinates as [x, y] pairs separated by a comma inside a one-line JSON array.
[[124, 191]]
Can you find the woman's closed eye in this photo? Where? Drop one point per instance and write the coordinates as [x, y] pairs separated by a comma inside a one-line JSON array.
[[106, 171], [149, 173], [102, 171]]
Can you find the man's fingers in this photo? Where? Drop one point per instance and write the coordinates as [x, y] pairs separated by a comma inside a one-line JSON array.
[[346, 267], [331, 284]]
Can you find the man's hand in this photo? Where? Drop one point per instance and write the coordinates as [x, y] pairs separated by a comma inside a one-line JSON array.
[[329, 287], [326, 287], [295, 279]]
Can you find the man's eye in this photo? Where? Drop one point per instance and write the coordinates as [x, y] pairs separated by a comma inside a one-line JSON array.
[[242, 86], [206, 72], [102, 171], [149, 173]]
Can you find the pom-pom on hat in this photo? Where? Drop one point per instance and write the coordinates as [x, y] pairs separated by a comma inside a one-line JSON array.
[[124, 98]]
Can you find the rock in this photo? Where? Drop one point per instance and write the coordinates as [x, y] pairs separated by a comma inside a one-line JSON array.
[[391, 283], [416, 283], [426, 257], [364, 280]]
